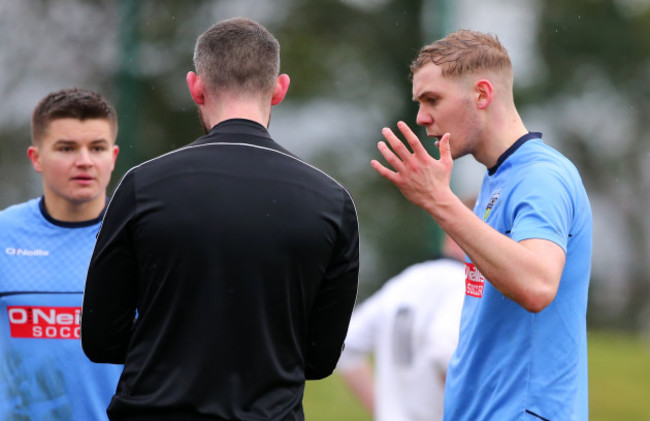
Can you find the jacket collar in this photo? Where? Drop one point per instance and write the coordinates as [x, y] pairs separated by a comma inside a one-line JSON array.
[[239, 130]]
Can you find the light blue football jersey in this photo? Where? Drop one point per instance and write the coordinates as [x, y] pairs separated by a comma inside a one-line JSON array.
[[511, 364], [44, 374]]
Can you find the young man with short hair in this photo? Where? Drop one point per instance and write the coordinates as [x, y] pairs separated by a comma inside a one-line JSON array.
[[225, 271], [45, 247], [522, 350]]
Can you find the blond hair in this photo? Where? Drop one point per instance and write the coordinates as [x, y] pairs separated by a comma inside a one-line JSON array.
[[464, 52]]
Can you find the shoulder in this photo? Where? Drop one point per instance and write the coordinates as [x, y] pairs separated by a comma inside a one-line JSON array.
[[20, 211], [540, 157], [543, 171]]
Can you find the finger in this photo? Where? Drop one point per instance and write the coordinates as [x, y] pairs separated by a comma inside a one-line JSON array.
[[383, 171], [395, 143], [445, 149], [390, 156], [411, 138]]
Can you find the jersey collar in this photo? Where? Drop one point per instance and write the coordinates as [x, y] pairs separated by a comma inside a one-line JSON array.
[[513, 148], [67, 224], [239, 130]]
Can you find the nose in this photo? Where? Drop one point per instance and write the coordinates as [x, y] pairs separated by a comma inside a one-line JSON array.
[[423, 118], [84, 158]]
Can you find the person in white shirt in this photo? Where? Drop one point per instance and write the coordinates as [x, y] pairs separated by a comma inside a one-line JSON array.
[[409, 330]]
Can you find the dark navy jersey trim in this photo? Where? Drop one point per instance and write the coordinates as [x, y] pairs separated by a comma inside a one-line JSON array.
[[513, 148], [535, 415], [66, 224], [6, 294]]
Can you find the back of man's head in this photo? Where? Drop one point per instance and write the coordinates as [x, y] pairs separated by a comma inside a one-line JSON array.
[[76, 103], [238, 55]]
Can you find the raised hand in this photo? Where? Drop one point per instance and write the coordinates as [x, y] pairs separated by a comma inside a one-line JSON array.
[[421, 178]]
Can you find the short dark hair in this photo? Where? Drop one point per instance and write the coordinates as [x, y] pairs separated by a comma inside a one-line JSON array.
[[238, 55], [464, 52], [75, 103]]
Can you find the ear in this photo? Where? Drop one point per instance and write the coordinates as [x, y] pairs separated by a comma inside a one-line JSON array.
[[116, 151], [484, 91], [195, 85], [34, 157], [280, 90]]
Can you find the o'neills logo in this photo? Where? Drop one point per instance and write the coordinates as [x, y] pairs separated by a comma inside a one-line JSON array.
[[44, 322], [25, 252], [474, 281]]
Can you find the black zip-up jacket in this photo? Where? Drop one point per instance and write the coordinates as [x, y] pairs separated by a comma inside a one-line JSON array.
[[224, 275]]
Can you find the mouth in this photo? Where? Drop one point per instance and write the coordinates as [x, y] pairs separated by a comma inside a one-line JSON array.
[[434, 135], [83, 179]]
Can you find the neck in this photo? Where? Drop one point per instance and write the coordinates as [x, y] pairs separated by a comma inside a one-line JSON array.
[[503, 131], [67, 211], [214, 112]]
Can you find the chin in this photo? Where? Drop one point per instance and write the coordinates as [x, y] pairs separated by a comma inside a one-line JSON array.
[[82, 198], [458, 154]]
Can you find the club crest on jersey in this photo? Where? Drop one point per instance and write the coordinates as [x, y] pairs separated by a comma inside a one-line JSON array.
[[491, 203]]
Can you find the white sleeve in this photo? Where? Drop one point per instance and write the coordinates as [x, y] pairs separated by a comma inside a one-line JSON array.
[[362, 333]]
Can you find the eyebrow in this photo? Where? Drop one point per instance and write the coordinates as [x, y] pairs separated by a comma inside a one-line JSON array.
[[72, 142], [424, 94]]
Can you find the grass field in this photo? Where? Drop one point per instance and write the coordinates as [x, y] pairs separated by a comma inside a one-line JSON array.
[[619, 378], [619, 384]]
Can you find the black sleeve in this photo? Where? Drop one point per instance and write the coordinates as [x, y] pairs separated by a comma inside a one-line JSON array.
[[330, 316], [110, 295]]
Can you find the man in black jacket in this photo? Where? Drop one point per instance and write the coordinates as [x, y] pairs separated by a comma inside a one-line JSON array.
[[225, 272]]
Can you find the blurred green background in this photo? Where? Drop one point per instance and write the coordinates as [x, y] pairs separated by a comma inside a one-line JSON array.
[[619, 381], [582, 76]]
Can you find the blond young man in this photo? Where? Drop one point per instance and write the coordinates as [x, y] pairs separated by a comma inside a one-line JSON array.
[[522, 351]]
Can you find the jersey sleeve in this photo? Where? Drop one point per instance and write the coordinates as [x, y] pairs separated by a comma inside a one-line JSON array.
[[110, 295], [330, 315], [543, 207]]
